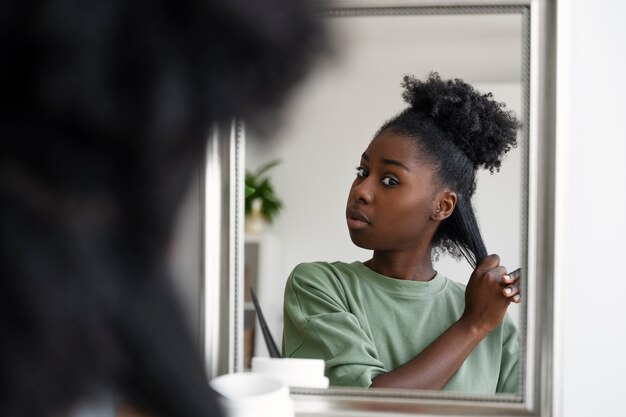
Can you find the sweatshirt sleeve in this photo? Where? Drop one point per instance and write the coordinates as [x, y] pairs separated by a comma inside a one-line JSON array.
[[319, 324]]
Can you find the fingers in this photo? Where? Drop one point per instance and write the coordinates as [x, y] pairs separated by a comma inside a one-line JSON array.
[[512, 277], [512, 291], [488, 262], [497, 273], [489, 267], [514, 297]]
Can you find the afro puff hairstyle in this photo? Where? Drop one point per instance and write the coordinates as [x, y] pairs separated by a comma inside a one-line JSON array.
[[459, 130]]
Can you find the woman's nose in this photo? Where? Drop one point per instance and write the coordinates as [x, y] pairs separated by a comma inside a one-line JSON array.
[[362, 192]]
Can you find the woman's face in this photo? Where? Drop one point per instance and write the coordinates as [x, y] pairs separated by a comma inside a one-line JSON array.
[[393, 196]]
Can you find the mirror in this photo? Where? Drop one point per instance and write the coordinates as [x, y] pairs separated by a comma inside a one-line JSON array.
[[335, 113], [329, 121]]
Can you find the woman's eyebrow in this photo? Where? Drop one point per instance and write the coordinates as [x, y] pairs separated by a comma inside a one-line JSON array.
[[394, 162]]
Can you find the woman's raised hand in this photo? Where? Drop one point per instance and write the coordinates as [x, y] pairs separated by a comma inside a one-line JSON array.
[[486, 301], [489, 292]]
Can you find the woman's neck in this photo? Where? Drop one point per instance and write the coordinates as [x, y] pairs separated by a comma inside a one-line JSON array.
[[403, 265]]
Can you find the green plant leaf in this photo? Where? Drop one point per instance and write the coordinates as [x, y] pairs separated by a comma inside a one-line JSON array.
[[264, 168], [261, 188]]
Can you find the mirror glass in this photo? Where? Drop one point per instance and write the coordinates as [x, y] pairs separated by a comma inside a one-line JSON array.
[[331, 118]]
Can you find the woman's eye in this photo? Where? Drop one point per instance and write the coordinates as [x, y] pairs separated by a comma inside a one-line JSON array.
[[361, 172], [389, 181]]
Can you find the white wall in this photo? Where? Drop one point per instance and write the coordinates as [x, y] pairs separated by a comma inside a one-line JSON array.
[[591, 239]]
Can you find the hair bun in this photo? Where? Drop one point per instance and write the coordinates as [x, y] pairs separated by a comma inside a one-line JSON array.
[[476, 123]]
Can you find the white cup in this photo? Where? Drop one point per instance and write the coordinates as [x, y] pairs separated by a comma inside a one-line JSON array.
[[294, 372], [253, 395]]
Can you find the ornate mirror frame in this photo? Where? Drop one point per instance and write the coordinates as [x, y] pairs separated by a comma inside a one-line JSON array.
[[221, 325]]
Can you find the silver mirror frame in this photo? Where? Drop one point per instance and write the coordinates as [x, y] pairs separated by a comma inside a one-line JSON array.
[[222, 276], [221, 316]]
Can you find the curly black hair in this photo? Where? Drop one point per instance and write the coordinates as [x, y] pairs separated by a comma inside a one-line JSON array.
[[105, 109], [460, 130]]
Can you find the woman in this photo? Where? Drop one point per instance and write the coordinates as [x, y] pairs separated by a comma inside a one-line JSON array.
[[394, 321]]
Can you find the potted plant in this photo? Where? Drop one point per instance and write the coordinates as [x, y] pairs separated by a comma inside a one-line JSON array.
[[262, 205]]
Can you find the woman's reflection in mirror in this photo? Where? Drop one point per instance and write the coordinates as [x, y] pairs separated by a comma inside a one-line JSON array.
[[393, 321]]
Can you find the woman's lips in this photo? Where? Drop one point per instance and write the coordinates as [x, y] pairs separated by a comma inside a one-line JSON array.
[[356, 219]]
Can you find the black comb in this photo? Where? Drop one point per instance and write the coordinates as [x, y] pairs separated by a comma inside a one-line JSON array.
[[269, 340]]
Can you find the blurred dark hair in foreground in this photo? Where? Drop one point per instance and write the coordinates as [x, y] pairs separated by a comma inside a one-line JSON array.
[[106, 107]]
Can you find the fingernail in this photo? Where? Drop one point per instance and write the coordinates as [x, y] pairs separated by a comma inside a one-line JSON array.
[[516, 297], [506, 277], [507, 291]]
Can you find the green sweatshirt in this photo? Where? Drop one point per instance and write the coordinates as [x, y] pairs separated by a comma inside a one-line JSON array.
[[363, 324]]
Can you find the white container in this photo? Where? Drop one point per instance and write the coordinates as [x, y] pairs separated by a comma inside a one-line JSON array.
[[253, 395], [293, 372]]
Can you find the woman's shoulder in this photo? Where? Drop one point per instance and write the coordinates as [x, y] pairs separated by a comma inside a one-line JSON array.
[[321, 284], [322, 268], [321, 275]]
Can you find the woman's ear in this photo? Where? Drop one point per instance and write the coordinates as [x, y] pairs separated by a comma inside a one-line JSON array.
[[444, 205]]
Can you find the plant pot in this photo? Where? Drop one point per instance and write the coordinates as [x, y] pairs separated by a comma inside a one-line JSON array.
[[255, 221]]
